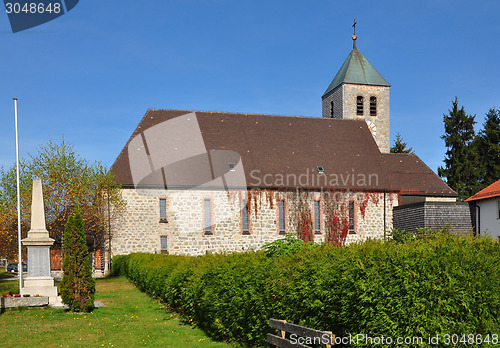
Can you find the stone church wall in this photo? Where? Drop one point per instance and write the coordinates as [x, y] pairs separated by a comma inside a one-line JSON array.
[[381, 120], [344, 98], [140, 229]]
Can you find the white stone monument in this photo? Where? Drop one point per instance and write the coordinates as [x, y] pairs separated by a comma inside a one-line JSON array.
[[38, 242]]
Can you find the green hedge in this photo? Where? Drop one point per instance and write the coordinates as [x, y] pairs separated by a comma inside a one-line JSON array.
[[440, 285]]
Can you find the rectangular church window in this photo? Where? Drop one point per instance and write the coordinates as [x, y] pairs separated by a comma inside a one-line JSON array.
[[317, 221], [351, 218], [281, 213], [244, 217], [208, 216], [164, 244], [163, 210]]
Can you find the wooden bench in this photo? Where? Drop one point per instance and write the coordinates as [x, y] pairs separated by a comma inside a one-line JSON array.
[[305, 334]]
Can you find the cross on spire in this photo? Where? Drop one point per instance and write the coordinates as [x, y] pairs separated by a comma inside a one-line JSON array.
[[354, 37]]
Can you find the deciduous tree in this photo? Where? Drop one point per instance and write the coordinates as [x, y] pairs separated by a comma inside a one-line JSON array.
[[67, 180]]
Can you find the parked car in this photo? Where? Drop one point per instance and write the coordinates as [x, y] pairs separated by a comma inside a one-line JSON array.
[[12, 267]]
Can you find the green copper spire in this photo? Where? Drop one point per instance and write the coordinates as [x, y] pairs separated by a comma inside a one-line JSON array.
[[357, 70]]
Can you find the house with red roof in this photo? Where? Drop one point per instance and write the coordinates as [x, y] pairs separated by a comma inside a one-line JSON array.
[[487, 209]]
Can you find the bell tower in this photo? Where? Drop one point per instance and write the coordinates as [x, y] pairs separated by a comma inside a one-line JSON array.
[[358, 91]]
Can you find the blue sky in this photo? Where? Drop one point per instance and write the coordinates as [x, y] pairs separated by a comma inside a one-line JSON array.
[[91, 74]]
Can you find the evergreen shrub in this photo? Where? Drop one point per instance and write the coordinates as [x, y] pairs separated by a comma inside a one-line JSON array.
[[284, 246], [77, 287], [445, 284]]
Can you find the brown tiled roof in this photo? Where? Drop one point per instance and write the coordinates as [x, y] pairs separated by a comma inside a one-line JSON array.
[[281, 147], [491, 191], [410, 175]]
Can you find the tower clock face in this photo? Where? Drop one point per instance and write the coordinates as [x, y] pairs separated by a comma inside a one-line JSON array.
[[372, 127]]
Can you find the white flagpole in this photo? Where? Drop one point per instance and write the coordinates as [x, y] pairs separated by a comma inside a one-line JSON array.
[[20, 258]]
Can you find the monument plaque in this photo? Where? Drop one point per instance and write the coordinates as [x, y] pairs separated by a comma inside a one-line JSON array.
[[38, 243]]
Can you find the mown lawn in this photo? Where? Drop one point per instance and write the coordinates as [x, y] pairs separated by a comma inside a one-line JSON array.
[[8, 283], [130, 319]]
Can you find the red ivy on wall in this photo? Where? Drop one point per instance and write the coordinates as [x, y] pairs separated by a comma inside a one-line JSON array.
[[335, 209]]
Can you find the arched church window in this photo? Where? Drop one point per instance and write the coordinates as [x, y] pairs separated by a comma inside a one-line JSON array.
[[373, 106], [359, 105], [331, 109]]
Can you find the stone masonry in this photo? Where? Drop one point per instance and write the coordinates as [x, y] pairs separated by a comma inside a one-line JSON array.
[[140, 229], [344, 98]]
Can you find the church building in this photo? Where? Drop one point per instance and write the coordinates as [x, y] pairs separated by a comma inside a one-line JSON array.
[[199, 182]]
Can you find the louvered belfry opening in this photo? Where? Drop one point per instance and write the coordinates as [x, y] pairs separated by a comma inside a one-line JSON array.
[[359, 105], [373, 106]]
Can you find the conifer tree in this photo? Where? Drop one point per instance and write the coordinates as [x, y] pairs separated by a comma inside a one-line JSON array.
[[461, 162], [400, 146], [487, 146], [77, 287]]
